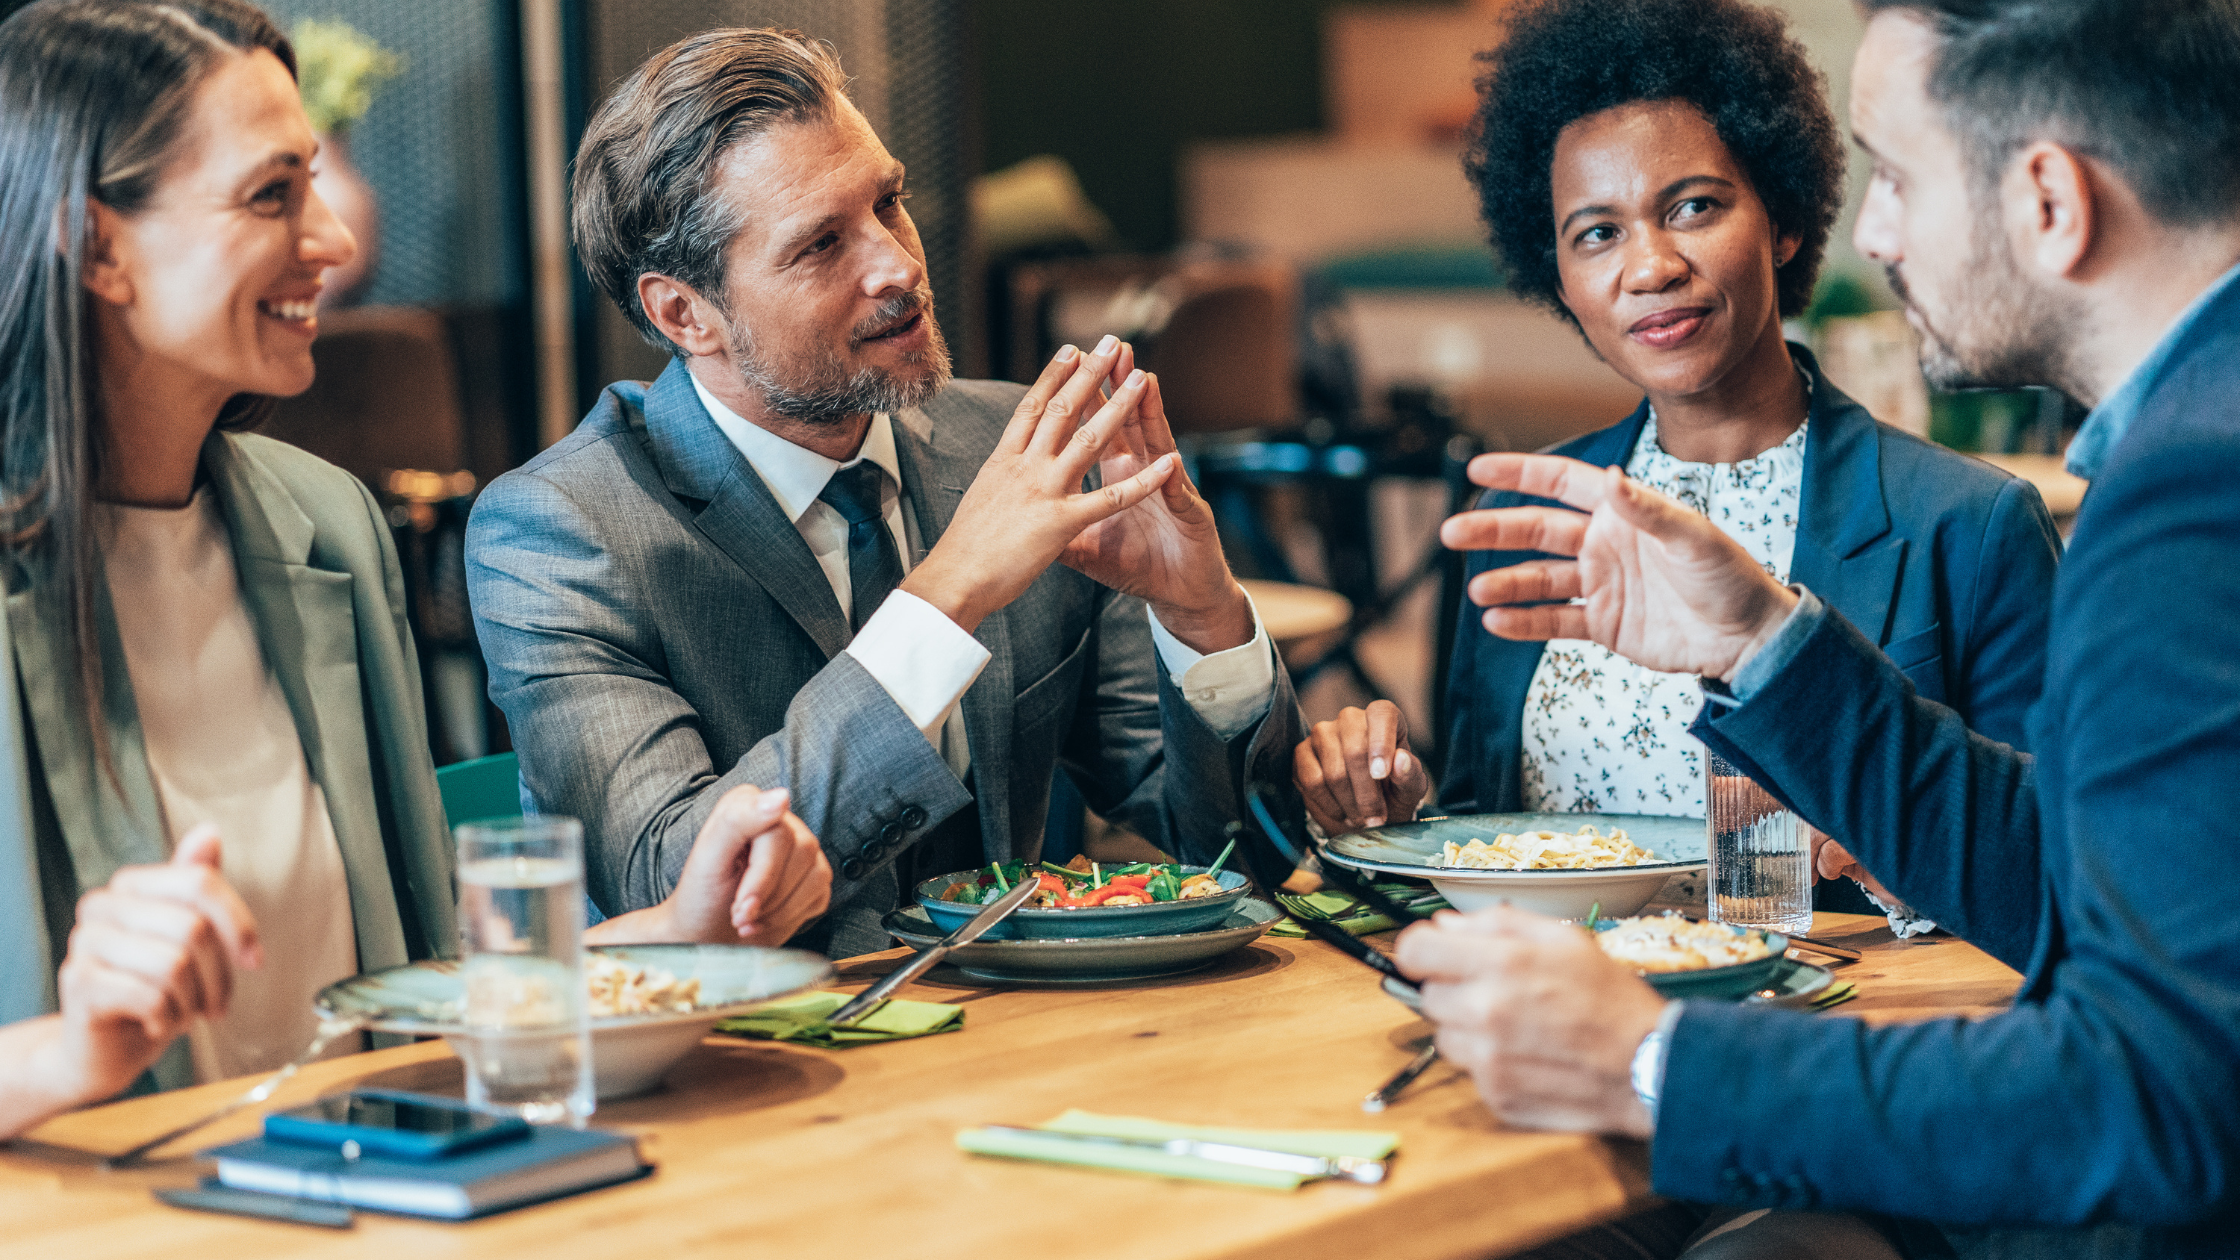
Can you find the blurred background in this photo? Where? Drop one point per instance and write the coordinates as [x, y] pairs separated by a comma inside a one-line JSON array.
[[1264, 194]]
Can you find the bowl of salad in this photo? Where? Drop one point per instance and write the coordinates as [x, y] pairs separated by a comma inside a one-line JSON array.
[[1086, 899]]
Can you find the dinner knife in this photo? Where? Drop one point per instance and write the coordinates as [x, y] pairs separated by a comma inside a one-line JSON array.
[[1315, 1167], [870, 999]]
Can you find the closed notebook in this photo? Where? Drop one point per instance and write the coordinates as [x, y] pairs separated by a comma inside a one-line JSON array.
[[550, 1162]]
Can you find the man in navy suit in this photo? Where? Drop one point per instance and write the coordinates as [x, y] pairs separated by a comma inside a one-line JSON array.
[[2057, 198]]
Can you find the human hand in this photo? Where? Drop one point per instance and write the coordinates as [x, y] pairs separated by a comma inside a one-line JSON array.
[[1662, 586], [1167, 548], [1358, 770], [153, 950], [1026, 506], [1830, 860], [755, 875], [1542, 1019]]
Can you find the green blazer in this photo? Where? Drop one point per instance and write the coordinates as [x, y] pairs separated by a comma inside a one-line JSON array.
[[319, 576]]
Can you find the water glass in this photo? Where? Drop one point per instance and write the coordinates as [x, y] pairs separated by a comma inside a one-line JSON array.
[[1761, 854], [528, 1048]]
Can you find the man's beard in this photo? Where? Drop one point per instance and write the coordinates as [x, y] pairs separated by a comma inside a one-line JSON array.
[[818, 388], [2000, 329]]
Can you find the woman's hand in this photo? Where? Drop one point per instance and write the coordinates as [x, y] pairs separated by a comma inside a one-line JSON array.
[[153, 951], [755, 875], [1358, 771], [1659, 585]]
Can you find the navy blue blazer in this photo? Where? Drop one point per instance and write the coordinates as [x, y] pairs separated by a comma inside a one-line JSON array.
[[1945, 562], [2103, 867]]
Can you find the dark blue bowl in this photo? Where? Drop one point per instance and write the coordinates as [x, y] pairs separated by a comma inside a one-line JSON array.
[[1160, 918]]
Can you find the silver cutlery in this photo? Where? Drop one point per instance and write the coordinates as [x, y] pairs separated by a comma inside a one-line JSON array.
[[1383, 1096], [1314, 1167], [329, 1030], [875, 996], [1824, 947]]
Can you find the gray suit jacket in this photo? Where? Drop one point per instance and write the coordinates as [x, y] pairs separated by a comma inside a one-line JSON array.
[[658, 633]]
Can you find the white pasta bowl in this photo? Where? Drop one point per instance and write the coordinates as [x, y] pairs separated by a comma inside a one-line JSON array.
[[1413, 849], [629, 1053]]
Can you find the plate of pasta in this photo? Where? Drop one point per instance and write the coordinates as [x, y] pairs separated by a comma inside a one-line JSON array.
[[1555, 864], [649, 1004]]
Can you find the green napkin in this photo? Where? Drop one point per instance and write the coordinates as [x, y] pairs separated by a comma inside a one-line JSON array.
[[801, 1018], [1835, 995], [1362, 1143], [1349, 912]]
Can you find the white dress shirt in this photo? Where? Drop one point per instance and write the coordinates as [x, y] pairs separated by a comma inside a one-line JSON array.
[[909, 647]]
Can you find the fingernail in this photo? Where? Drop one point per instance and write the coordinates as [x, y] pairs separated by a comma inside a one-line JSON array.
[[1108, 344], [1376, 820], [1134, 378], [1065, 353], [1400, 763], [775, 798], [1376, 767]]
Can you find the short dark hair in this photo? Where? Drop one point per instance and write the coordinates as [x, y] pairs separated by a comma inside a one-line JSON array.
[[2150, 87], [1563, 60], [645, 170]]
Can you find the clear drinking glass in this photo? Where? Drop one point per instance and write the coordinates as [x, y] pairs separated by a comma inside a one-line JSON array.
[[1761, 854], [528, 1048]]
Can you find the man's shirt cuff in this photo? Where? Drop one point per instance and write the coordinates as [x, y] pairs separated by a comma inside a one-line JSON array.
[[1232, 688], [923, 659], [1781, 649]]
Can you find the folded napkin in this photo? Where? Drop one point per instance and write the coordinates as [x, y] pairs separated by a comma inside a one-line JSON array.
[[801, 1018], [1330, 1143], [1835, 995], [1351, 913]]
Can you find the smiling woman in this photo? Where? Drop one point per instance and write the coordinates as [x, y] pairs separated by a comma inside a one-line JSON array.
[[1663, 175]]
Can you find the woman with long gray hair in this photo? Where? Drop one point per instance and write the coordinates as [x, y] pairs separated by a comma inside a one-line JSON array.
[[215, 789]]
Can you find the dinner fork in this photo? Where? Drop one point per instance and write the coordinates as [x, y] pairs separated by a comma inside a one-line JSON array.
[[329, 1030]]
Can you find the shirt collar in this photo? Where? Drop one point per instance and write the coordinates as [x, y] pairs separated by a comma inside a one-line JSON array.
[[2109, 421], [795, 474]]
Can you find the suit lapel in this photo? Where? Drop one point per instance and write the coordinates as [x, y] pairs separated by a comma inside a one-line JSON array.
[[1844, 551], [935, 474], [306, 619], [737, 512]]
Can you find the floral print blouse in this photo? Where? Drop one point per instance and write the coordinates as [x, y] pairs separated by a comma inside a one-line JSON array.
[[1604, 735]]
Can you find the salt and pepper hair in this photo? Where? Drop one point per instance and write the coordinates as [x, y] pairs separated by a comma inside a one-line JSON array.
[[644, 192], [93, 97], [2149, 87]]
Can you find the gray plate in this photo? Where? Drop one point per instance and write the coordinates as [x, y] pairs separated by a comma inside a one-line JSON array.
[[1410, 848], [1795, 984], [1090, 960]]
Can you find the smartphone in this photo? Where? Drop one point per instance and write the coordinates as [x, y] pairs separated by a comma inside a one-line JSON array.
[[389, 1122]]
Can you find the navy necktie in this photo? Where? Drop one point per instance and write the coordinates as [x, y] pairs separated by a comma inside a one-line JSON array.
[[858, 494]]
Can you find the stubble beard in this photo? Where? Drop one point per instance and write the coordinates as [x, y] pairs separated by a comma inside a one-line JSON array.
[[818, 389], [2000, 329]]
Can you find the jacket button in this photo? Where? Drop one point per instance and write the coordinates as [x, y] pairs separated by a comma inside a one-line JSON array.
[[890, 833], [913, 818], [871, 850], [853, 868]]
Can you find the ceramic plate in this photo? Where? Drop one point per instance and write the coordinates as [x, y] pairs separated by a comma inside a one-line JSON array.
[[1794, 984], [1412, 849], [1090, 960], [630, 1053], [1160, 918]]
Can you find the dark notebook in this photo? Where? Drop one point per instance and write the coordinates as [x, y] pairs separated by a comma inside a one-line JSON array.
[[551, 1162]]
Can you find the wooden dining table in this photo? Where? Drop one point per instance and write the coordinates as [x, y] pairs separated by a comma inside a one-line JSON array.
[[772, 1149]]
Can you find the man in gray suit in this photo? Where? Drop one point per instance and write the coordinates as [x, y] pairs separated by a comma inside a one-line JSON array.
[[804, 557]]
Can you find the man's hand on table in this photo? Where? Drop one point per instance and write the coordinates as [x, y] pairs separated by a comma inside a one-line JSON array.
[[1026, 507], [1662, 586], [1830, 860], [755, 876], [1358, 770], [1540, 1017]]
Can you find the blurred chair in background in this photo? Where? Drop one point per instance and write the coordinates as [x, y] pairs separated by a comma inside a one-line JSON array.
[[386, 406]]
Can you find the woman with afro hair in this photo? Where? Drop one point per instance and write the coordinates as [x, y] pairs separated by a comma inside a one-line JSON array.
[[1663, 176]]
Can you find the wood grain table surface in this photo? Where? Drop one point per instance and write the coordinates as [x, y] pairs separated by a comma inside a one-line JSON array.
[[779, 1150]]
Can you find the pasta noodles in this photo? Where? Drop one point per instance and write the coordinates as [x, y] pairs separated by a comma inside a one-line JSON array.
[[620, 989], [1584, 849], [1671, 942]]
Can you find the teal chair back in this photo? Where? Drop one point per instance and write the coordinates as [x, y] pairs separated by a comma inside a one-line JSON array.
[[487, 787]]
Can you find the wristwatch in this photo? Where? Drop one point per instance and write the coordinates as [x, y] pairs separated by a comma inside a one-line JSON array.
[[1648, 1060]]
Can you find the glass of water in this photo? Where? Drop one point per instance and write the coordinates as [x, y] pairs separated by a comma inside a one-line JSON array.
[[528, 1048], [1761, 854]]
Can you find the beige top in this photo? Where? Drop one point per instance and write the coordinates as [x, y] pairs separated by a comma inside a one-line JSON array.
[[223, 748]]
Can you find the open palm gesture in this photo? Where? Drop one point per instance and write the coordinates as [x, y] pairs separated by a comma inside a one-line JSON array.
[[1654, 582]]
